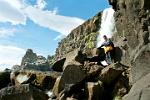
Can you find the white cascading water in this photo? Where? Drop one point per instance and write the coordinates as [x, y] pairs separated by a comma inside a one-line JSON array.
[[107, 25], [107, 28]]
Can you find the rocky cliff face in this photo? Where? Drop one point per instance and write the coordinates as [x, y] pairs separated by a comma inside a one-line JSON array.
[[75, 78], [32, 61], [132, 39], [132, 19], [133, 24], [29, 57], [83, 37]]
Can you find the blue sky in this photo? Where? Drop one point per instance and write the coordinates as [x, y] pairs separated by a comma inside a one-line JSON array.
[[40, 25]]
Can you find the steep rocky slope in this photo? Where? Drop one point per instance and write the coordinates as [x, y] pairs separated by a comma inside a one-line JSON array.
[[83, 37], [132, 19], [71, 77], [132, 39], [133, 23]]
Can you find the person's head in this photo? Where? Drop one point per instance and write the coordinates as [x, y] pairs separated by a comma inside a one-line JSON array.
[[105, 37]]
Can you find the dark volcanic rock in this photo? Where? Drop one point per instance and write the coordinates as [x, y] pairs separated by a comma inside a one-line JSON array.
[[58, 65], [57, 87], [140, 90], [112, 72], [132, 22], [72, 75], [74, 57], [82, 37], [92, 70], [121, 86], [4, 79], [42, 80], [94, 91], [22, 92], [141, 63], [132, 19]]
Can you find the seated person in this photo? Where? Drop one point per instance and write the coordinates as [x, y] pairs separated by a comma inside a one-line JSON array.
[[104, 52], [108, 48]]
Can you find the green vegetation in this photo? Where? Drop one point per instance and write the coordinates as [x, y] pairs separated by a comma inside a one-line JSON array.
[[117, 98], [90, 39]]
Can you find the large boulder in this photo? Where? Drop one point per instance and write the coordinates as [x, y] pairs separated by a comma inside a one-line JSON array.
[[92, 70], [111, 72], [140, 90], [58, 65], [22, 92], [94, 90], [141, 63], [4, 79], [75, 91], [72, 75], [121, 54], [75, 57], [132, 22], [57, 87], [121, 86], [42, 80]]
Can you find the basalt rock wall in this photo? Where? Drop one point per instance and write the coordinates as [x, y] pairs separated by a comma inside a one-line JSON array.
[[132, 18], [82, 37]]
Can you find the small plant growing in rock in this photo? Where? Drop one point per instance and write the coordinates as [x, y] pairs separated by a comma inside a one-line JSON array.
[[90, 40], [117, 98]]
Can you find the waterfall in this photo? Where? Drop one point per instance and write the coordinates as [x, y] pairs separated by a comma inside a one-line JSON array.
[[107, 25]]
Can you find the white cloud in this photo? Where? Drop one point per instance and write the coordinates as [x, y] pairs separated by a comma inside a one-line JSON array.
[[9, 56], [55, 11], [17, 11], [7, 32], [11, 11], [40, 4], [19, 4], [48, 19]]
